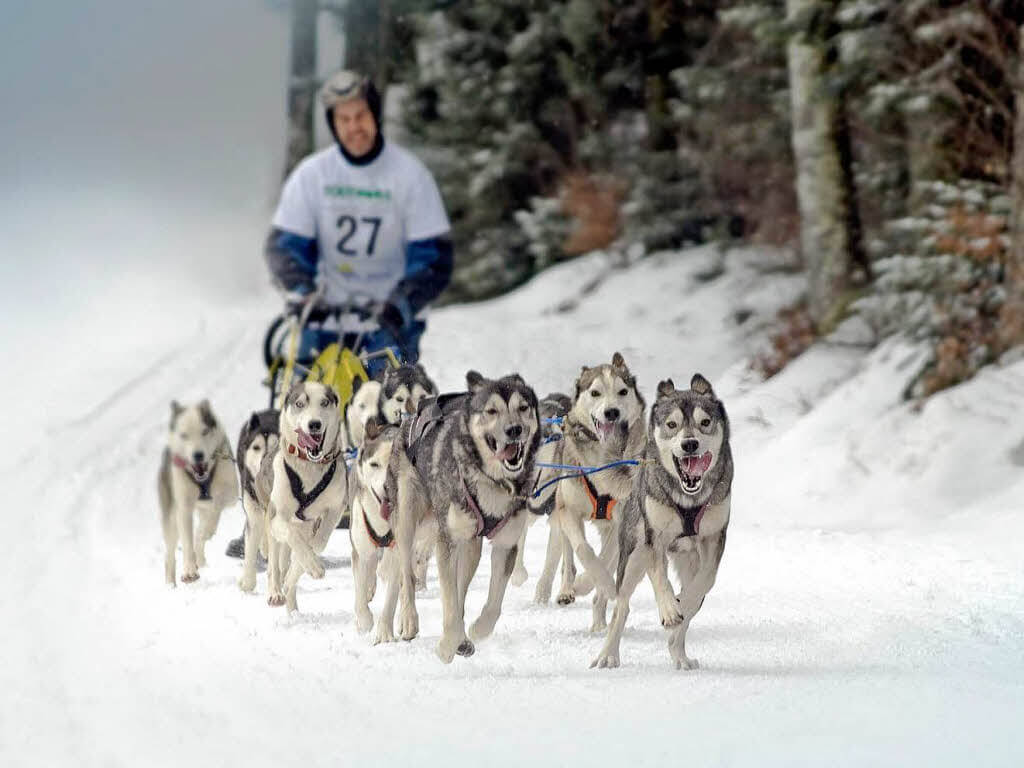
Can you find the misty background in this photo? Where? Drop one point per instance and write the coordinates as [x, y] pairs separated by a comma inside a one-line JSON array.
[[141, 155]]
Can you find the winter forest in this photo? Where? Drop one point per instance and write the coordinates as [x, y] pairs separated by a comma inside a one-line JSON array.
[[816, 205]]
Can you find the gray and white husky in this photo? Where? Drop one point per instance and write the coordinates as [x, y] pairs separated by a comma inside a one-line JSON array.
[[401, 391], [257, 445], [363, 406], [604, 425], [197, 478], [468, 459], [309, 490], [381, 535], [679, 511]]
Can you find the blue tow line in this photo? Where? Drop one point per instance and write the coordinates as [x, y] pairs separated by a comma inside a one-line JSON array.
[[578, 471]]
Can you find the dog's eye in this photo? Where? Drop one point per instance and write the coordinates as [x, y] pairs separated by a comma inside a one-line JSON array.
[[491, 411], [400, 399], [623, 392], [375, 465], [594, 393], [524, 408], [256, 448], [206, 431], [670, 424], [324, 403], [705, 422]]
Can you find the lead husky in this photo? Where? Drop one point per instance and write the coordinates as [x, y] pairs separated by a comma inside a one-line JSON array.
[[257, 445], [309, 489], [197, 477], [471, 459], [605, 425], [679, 509]]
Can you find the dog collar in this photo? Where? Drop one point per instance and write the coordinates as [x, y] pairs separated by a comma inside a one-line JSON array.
[[294, 450], [387, 541], [204, 485]]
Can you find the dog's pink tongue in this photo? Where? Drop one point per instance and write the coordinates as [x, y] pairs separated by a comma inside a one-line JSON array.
[[698, 465], [508, 452], [605, 428], [307, 442]]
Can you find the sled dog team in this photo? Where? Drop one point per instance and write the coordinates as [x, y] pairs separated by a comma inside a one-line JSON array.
[[434, 475]]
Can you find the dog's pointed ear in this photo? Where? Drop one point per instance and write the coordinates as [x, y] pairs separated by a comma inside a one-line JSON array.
[[357, 382], [176, 409], [254, 422], [294, 391], [666, 388], [372, 429], [700, 385], [618, 361], [474, 381], [332, 396]]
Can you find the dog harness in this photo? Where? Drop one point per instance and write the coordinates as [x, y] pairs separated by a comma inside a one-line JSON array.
[[485, 526], [305, 499], [603, 504], [691, 521], [387, 541], [204, 486]]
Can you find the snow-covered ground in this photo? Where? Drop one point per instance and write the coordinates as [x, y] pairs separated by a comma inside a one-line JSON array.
[[869, 609]]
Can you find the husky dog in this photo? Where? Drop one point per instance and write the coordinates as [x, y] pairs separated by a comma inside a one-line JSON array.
[[197, 476], [468, 458], [604, 425], [308, 493], [363, 406], [553, 409], [380, 535], [678, 510], [257, 445], [401, 391]]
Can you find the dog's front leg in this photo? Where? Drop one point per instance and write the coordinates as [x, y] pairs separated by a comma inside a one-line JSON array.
[[573, 527], [253, 539], [403, 574], [294, 533], [502, 564], [391, 568], [631, 568], [453, 635], [697, 570], [668, 605], [551, 557], [209, 516], [363, 568], [519, 572], [189, 568], [291, 587]]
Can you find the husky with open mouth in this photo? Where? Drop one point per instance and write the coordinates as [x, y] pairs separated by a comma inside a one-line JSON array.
[[468, 461], [678, 511], [605, 425], [197, 479], [309, 490]]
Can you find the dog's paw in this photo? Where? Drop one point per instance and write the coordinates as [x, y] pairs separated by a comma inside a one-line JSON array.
[[446, 651], [188, 578], [200, 559], [670, 613], [385, 633], [542, 595], [519, 576], [466, 648], [364, 622], [605, 661], [410, 625], [247, 583], [275, 600], [687, 663], [481, 628], [316, 569], [566, 598]]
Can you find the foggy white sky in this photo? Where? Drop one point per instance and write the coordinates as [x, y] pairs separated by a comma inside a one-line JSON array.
[[141, 146]]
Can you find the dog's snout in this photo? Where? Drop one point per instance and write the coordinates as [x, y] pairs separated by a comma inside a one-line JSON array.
[[611, 414], [690, 446], [315, 425], [197, 457], [514, 431]]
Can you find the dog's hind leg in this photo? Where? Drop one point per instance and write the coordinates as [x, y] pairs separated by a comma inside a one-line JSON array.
[[631, 572], [551, 557], [253, 539], [502, 564]]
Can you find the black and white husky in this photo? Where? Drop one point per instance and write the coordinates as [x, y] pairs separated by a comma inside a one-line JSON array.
[[605, 425], [197, 479], [401, 391], [468, 460], [257, 445], [679, 511], [309, 490]]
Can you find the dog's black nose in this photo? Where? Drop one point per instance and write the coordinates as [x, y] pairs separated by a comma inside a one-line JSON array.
[[514, 431], [197, 457], [611, 414], [690, 446], [314, 425]]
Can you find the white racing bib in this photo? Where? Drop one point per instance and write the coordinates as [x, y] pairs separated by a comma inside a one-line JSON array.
[[362, 217]]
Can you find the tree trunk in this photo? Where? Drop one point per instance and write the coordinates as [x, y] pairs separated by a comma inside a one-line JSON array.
[[1011, 318], [824, 208], [302, 86]]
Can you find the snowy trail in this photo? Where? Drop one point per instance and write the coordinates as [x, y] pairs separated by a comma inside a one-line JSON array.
[[820, 643]]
